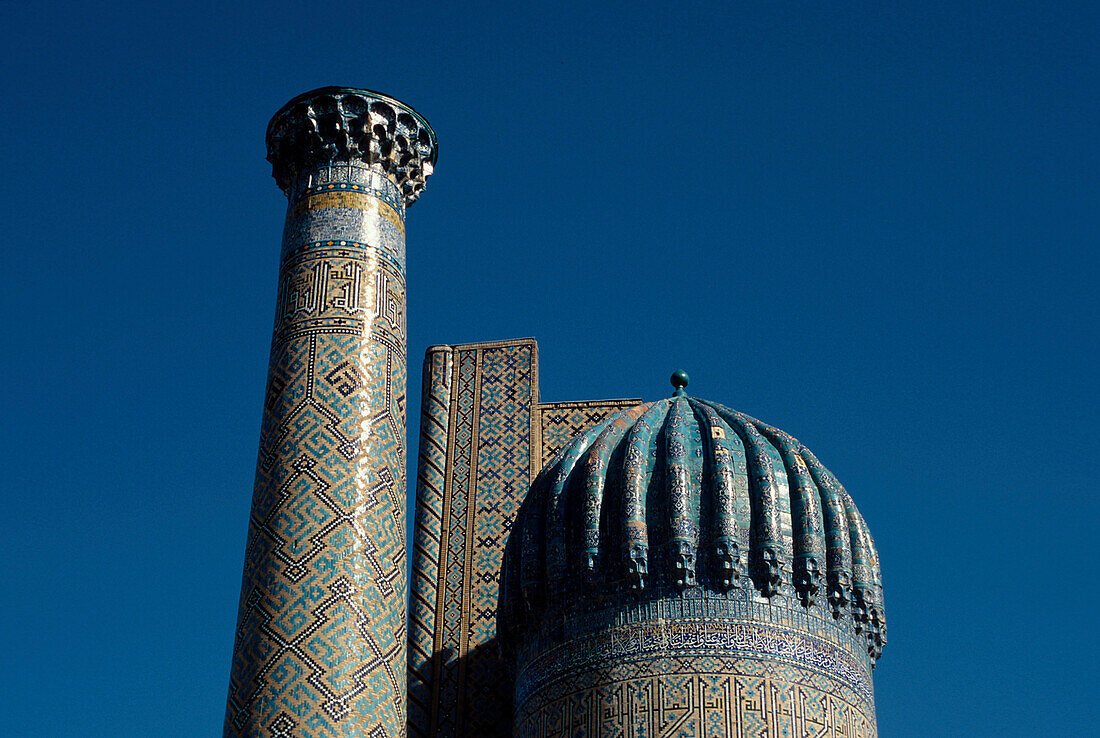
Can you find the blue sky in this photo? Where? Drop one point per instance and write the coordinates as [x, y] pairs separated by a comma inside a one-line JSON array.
[[873, 225]]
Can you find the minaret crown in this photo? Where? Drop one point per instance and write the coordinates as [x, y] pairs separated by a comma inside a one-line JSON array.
[[342, 125]]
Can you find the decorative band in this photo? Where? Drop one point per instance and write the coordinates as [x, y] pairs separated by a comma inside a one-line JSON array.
[[722, 638], [342, 249], [377, 185], [346, 199]]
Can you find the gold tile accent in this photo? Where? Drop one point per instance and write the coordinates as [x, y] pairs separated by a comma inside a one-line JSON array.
[[352, 200]]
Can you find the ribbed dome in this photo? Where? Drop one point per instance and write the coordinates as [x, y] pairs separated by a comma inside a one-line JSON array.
[[684, 493]]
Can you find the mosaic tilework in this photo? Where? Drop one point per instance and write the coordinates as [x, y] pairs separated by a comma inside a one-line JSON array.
[[508, 396], [482, 437], [700, 697], [480, 453], [661, 579], [320, 643], [491, 465], [435, 421], [684, 492], [699, 666], [730, 624], [561, 421]]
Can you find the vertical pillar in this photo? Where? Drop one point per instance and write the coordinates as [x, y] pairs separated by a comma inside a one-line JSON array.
[[435, 425], [321, 629]]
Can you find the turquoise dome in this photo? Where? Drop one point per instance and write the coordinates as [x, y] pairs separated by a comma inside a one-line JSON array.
[[684, 495]]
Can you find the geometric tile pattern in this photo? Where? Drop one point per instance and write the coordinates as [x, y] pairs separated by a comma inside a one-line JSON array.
[[561, 421], [320, 642], [717, 675], [435, 419], [704, 697], [322, 648], [483, 436], [488, 470], [503, 471]]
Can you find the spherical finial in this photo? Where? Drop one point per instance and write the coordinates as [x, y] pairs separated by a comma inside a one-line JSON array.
[[679, 381]]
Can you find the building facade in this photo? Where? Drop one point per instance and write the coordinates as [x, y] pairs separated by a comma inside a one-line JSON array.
[[484, 435], [582, 568]]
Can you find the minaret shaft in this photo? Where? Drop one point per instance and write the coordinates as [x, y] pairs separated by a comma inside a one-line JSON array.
[[321, 634]]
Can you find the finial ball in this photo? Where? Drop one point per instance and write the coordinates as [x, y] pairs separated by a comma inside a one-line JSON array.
[[679, 379]]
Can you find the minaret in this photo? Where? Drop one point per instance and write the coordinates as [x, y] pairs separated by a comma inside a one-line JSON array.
[[321, 630]]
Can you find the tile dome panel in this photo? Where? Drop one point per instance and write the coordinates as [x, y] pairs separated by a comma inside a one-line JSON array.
[[682, 495]]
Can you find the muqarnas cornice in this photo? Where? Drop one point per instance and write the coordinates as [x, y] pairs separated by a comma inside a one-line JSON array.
[[342, 125]]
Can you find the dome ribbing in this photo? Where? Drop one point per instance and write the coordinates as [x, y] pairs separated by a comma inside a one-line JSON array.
[[683, 493]]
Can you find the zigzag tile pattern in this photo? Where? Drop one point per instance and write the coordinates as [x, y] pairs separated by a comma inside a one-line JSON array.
[[430, 481], [483, 435], [474, 469], [320, 643], [460, 486], [561, 421], [504, 475]]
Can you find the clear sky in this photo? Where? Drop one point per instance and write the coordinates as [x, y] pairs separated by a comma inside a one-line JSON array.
[[871, 224]]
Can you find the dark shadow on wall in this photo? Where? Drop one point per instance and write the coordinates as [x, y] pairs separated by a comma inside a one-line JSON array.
[[485, 707]]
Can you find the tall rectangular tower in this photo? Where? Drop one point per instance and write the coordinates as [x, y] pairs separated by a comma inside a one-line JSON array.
[[320, 642], [484, 435]]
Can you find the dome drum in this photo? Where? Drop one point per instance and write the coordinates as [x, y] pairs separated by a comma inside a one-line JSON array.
[[584, 671]]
